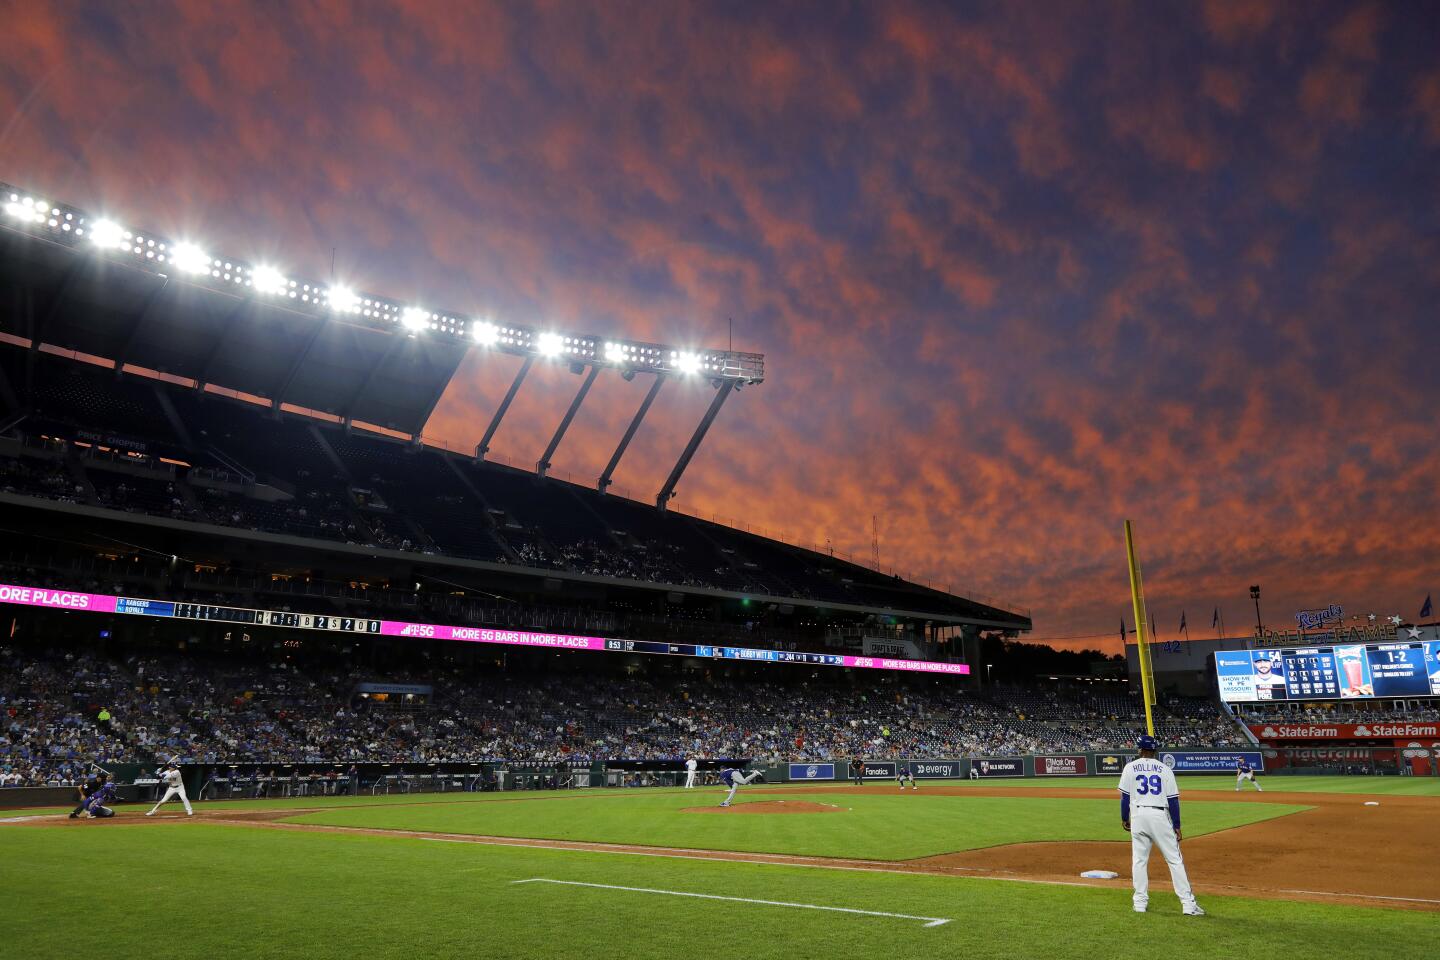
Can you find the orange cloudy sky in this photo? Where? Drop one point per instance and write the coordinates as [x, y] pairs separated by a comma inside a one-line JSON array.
[[1019, 270]]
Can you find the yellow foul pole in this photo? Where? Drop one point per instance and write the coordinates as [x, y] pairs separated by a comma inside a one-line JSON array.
[[1137, 599]]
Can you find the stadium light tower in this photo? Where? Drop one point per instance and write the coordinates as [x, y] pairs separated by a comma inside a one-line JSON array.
[[1255, 595], [194, 264]]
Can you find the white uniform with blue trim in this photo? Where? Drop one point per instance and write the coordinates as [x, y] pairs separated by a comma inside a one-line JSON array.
[[1153, 797]]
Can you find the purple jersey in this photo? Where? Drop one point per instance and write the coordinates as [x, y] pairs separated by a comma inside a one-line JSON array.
[[100, 797]]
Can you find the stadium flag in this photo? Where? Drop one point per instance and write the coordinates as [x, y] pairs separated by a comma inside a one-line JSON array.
[[1215, 619], [1154, 634], [1425, 610], [1122, 631], [1184, 629]]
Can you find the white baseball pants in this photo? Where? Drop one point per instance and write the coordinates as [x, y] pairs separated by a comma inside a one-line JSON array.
[[177, 791], [1150, 826]]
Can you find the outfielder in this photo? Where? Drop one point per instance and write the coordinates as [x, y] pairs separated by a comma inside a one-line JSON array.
[[174, 787], [1243, 771], [690, 766], [1150, 811], [732, 778]]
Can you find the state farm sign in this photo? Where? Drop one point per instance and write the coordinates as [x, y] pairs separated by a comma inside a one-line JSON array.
[[1343, 731]]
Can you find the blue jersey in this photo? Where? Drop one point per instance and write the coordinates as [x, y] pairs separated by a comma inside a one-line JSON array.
[[728, 776], [1243, 767]]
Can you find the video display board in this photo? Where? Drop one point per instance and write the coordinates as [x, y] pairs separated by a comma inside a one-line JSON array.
[[1358, 671], [246, 617]]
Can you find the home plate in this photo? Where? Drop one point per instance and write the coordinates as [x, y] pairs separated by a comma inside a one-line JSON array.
[[1100, 874]]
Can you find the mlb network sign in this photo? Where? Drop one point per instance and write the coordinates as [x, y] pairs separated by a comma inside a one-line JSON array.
[[812, 771], [999, 767]]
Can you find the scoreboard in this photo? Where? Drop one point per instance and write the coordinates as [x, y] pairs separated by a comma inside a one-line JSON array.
[[1359, 671], [245, 616]]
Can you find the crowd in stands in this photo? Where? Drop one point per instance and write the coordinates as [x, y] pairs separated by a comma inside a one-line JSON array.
[[1421, 711], [40, 478], [265, 709]]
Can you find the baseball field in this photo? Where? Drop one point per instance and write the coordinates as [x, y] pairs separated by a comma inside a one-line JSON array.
[[1331, 867]]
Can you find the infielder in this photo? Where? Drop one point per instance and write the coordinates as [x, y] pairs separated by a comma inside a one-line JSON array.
[[174, 787], [1148, 792], [1243, 771], [690, 766], [732, 778], [903, 776]]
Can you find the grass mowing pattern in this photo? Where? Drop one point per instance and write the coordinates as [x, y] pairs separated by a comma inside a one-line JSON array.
[[876, 826], [1379, 786], [189, 889]]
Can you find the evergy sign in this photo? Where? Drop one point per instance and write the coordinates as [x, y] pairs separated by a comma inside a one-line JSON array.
[[62, 599]]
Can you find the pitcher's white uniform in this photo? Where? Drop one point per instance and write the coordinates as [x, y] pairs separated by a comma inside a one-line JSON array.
[[690, 766], [174, 787], [1152, 799]]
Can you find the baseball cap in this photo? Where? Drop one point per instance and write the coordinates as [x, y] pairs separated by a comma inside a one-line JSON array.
[[1146, 742]]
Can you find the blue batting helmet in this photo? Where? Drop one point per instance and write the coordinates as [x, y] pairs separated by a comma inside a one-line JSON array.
[[1146, 742]]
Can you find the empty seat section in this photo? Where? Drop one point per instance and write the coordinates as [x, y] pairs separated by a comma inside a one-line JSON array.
[[420, 485], [93, 398]]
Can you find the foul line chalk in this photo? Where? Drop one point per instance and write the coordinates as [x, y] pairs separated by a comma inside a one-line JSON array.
[[1359, 896], [928, 921]]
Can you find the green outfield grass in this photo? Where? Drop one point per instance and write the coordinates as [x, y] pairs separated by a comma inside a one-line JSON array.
[[1381, 786], [190, 889], [879, 825]]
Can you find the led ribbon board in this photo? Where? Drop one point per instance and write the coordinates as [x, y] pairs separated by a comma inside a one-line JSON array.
[[245, 616]]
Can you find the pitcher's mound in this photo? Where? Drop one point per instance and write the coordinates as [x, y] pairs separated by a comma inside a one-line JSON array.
[[770, 806]]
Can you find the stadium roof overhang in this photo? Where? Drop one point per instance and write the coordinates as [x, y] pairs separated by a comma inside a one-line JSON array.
[[120, 312], [303, 550], [78, 282]]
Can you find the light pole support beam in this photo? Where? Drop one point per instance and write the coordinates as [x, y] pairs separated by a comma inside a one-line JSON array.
[[668, 491], [544, 463], [484, 446], [630, 432]]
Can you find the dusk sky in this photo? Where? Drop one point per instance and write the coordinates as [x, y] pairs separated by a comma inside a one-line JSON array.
[[1019, 270]]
